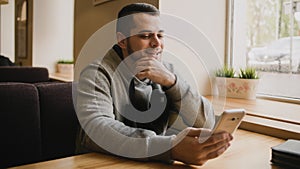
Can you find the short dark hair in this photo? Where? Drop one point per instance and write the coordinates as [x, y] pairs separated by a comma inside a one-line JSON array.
[[124, 22]]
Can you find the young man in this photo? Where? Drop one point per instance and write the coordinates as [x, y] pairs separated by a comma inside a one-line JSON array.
[[126, 98]]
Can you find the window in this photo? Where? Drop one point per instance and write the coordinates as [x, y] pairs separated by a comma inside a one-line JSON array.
[[265, 34]]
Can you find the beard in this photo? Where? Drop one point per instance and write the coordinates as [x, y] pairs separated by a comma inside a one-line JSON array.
[[128, 48], [135, 55]]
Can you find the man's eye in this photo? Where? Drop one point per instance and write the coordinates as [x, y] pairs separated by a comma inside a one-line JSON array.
[[160, 36], [144, 36]]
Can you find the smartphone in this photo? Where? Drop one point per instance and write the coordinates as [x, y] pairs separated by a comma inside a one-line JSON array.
[[229, 120]]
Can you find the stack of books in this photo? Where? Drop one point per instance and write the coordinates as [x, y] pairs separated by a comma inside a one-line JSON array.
[[287, 154]]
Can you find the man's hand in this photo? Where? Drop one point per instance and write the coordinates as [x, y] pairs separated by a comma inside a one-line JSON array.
[[187, 148], [153, 69]]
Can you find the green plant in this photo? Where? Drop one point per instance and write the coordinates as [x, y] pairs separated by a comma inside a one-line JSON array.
[[248, 73], [65, 62], [225, 72]]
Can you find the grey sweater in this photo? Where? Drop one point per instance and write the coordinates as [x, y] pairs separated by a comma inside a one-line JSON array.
[[102, 97]]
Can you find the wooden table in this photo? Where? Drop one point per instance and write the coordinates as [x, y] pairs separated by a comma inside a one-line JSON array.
[[248, 151]]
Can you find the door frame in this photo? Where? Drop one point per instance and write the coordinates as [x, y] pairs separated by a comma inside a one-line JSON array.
[[24, 59]]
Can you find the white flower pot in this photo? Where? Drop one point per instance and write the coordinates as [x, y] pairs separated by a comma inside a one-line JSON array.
[[66, 69], [237, 88]]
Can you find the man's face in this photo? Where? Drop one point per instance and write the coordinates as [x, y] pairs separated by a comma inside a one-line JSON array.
[[146, 37]]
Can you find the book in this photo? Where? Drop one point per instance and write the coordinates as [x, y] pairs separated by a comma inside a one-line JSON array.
[[287, 154]]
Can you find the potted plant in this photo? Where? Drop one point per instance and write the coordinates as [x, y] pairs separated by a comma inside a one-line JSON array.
[[242, 86], [65, 67]]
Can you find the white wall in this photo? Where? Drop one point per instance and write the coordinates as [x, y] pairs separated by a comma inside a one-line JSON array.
[[53, 25], [7, 35], [209, 17], [53, 32]]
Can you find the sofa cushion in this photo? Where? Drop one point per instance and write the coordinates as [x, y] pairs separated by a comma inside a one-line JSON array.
[[58, 120], [23, 74], [20, 124]]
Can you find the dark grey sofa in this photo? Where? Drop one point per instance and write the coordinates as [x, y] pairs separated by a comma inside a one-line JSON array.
[[20, 124], [24, 74], [38, 120]]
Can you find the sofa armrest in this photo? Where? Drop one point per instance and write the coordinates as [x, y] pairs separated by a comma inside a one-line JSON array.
[[20, 124]]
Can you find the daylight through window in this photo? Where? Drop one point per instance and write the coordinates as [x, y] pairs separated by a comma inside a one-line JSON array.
[[266, 35]]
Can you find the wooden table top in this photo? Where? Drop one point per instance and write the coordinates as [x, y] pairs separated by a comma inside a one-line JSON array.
[[248, 151]]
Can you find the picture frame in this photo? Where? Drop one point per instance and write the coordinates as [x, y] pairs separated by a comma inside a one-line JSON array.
[[98, 2], [2, 2]]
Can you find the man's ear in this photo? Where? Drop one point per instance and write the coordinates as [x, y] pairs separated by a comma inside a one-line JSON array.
[[121, 40]]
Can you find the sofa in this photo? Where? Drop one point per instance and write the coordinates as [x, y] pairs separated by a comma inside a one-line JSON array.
[[38, 120], [24, 74]]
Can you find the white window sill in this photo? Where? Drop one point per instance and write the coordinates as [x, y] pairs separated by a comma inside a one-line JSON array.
[[278, 119]]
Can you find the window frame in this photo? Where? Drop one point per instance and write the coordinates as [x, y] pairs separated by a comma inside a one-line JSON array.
[[229, 54], [256, 120]]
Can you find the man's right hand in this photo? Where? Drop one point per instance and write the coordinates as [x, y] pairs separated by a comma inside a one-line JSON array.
[[153, 69], [189, 150]]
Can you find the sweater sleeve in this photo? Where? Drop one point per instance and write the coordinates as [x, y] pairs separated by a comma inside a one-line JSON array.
[[103, 132], [194, 109]]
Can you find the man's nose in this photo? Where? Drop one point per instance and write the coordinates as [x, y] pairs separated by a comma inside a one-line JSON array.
[[155, 41]]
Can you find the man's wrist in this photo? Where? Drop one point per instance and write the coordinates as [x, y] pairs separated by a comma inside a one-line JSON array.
[[171, 84]]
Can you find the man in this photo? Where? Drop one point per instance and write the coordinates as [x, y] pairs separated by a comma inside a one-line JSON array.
[[126, 98]]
